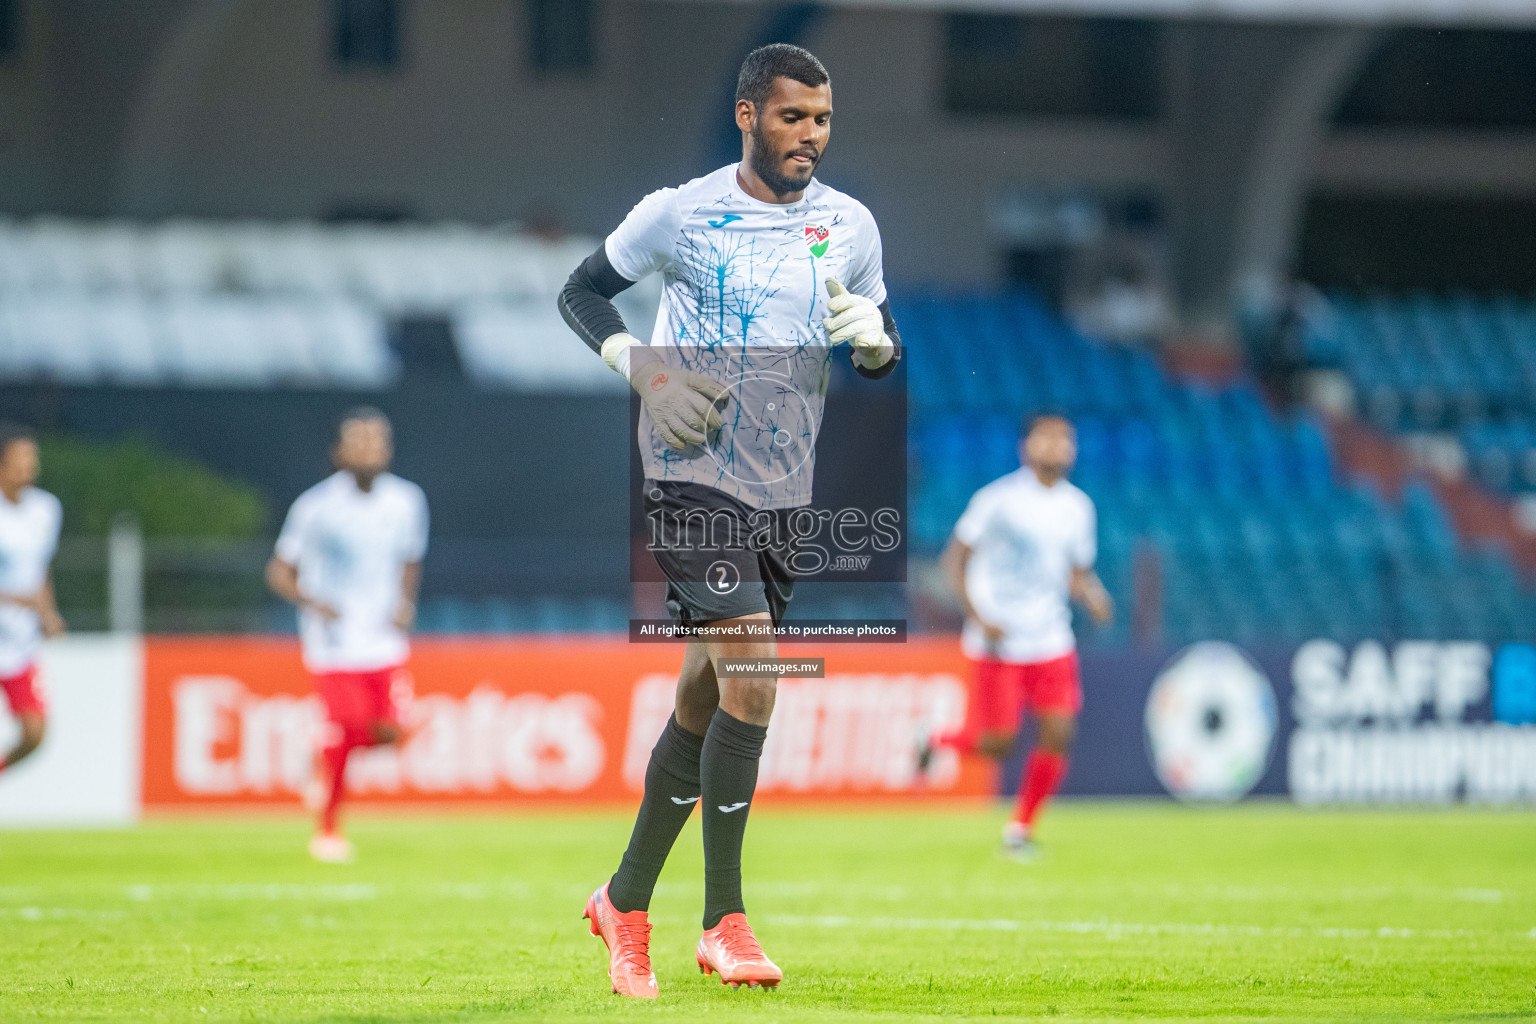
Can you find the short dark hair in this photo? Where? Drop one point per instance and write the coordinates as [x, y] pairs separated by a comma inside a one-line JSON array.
[[10, 433], [777, 60], [1035, 419], [357, 413]]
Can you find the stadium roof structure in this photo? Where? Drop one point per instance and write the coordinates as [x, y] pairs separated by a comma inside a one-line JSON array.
[[1510, 13]]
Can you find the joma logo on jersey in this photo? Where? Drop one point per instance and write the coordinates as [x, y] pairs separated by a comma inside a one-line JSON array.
[[817, 237]]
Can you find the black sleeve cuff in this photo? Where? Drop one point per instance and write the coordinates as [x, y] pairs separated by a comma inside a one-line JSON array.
[[885, 368]]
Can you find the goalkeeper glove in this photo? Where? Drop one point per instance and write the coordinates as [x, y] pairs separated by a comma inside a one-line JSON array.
[[683, 404], [858, 321]]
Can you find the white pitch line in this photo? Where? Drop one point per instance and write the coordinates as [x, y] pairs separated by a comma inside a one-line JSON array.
[[58, 914], [253, 891], [507, 887], [1112, 929]]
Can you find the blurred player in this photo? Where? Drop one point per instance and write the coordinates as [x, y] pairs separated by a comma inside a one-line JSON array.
[[754, 258], [1024, 548], [349, 557], [29, 535]]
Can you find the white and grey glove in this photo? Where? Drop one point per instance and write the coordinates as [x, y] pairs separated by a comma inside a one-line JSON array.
[[684, 405], [858, 321]]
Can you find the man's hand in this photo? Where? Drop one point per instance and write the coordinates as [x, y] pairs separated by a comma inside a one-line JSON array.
[[992, 634], [48, 617], [858, 321], [685, 406], [324, 609], [405, 615], [1090, 592], [1101, 607], [52, 622]]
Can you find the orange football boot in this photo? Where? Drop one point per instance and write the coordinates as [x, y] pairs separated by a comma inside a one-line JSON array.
[[731, 950], [628, 938]]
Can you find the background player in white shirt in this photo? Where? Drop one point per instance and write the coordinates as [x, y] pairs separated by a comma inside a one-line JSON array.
[[349, 557], [29, 536], [1023, 549], [766, 270]]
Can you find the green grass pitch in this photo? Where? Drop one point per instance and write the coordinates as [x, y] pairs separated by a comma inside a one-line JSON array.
[[1154, 910]]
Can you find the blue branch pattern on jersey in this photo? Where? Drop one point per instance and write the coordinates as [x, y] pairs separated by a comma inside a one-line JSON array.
[[743, 303]]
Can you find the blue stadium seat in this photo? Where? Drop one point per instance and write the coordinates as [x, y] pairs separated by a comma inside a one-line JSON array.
[[1258, 537]]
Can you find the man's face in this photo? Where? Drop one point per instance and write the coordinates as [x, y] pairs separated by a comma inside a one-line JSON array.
[[18, 464], [365, 447], [1051, 446], [789, 134]]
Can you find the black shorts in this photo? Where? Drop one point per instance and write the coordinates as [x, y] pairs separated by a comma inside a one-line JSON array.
[[722, 558]]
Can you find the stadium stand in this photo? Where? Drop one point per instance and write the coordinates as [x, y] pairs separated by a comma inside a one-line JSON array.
[[1239, 515], [525, 345], [214, 304], [1454, 364], [1197, 486], [213, 340]]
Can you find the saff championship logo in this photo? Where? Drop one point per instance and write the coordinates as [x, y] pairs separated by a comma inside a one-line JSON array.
[[818, 238]]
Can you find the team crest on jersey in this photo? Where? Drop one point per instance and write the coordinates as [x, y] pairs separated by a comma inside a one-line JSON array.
[[818, 238]]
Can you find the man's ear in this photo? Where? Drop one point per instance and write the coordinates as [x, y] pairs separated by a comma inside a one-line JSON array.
[[745, 113]]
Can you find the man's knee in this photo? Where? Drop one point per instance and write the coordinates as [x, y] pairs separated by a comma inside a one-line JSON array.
[[1057, 733], [995, 744], [697, 692], [747, 698], [33, 729], [387, 732], [695, 708], [751, 699]]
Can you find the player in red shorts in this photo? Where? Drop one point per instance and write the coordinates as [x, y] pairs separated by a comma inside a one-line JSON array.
[[1023, 550], [349, 557], [29, 535]]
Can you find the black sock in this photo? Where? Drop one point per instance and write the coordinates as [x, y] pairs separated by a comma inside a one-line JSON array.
[[728, 769], [671, 790]]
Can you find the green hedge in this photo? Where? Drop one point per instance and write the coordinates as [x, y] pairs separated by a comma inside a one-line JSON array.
[[172, 496]]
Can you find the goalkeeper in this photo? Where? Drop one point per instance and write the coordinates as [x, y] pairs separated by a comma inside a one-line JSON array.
[[766, 270]]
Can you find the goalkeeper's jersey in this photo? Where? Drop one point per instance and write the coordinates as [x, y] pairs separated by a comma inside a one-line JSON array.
[[743, 302]]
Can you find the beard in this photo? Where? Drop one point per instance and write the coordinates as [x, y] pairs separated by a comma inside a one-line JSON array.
[[765, 164]]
